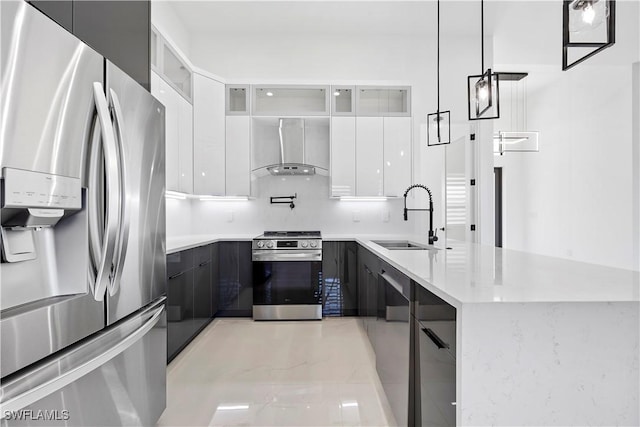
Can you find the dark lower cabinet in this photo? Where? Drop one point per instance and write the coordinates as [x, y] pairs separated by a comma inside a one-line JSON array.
[[118, 30], [435, 356], [235, 279], [392, 346], [202, 305], [413, 335], [191, 295], [369, 266], [340, 279]]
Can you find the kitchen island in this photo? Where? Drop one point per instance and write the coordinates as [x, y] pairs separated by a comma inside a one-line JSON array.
[[539, 340]]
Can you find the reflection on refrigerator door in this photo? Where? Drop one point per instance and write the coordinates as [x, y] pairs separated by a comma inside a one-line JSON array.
[[81, 231]]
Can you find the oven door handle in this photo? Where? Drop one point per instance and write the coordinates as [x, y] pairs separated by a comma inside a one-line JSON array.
[[287, 257]]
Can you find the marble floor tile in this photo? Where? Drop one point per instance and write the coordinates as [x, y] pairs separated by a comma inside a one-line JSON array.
[[238, 372]]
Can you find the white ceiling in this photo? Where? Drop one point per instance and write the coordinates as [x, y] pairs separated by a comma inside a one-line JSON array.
[[521, 27], [340, 17]]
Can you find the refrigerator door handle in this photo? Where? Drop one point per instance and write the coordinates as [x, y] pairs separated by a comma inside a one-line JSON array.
[[16, 395], [112, 208], [123, 240]]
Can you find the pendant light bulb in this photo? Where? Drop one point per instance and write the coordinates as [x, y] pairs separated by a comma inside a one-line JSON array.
[[483, 90], [588, 14], [436, 122]]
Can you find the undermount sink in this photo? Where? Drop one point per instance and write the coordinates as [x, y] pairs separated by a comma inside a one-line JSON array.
[[404, 245]]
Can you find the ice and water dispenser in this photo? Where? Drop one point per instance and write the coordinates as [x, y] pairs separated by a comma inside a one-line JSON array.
[[32, 201]]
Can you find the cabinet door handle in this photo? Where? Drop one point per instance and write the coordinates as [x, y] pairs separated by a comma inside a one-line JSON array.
[[435, 338], [176, 275], [397, 286], [203, 263]]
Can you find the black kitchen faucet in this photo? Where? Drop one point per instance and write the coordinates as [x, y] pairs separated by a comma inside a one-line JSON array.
[[432, 235]]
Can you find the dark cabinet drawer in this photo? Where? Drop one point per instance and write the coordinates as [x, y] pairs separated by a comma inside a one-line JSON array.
[[436, 371], [435, 332], [179, 262], [398, 278], [201, 255]]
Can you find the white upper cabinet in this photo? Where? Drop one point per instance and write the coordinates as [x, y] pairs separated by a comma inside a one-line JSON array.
[[369, 156], [397, 155], [208, 136], [176, 133], [343, 100], [185, 145], [238, 159], [281, 100], [383, 101], [169, 65], [343, 156], [237, 100]]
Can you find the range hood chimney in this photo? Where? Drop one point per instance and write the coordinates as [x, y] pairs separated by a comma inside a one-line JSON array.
[[292, 158]]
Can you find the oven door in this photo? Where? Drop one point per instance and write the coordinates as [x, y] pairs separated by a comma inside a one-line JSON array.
[[287, 289]]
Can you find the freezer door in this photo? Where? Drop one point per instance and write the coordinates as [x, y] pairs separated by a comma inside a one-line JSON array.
[[140, 275], [46, 97], [47, 110], [117, 378]]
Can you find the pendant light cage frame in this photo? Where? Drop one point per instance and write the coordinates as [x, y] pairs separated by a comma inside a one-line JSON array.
[[479, 108], [598, 46], [439, 128], [438, 123]]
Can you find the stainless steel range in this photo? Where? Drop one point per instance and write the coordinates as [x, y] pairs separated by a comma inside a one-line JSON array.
[[287, 275]]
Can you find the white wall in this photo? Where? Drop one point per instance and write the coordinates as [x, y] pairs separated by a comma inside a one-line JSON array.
[[165, 19], [178, 217], [313, 210], [575, 198], [384, 59], [636, 161]]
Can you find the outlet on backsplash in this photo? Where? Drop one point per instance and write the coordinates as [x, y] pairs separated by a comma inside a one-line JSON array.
[[356, 216]]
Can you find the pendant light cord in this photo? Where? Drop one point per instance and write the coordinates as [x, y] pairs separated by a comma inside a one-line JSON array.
[[482, 34], [438, 60]]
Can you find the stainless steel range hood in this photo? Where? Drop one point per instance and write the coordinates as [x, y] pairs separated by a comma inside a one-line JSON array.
[[295, 157]]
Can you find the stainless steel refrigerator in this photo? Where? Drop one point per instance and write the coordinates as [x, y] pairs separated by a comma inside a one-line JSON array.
[[82, 233]]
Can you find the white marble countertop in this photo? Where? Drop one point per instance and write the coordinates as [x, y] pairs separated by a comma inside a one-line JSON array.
[[182, 243], [471, 273]]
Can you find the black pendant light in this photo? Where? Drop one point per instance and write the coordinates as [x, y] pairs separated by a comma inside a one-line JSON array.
[[483, 90], [588, 26], [438, 123]]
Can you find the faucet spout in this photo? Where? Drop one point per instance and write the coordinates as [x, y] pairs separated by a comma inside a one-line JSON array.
[[432, 235]]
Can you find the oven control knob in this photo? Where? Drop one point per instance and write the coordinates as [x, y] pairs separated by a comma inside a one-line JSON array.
[[260, 244], [269, 244], [304, 244], [313, 244]]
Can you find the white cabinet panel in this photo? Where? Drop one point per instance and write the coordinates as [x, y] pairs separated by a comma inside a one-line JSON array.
[[208, 136], [343, 156], [397, 155], [169, 98], [369, 156], [238, 159], [185, 133]]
